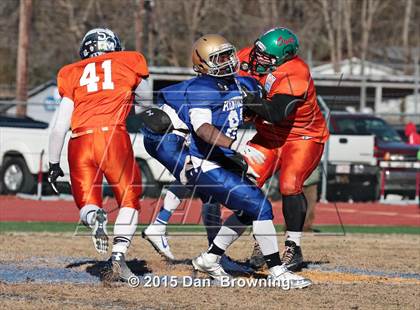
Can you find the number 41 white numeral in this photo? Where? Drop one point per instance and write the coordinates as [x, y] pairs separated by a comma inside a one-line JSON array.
[[90, 79]]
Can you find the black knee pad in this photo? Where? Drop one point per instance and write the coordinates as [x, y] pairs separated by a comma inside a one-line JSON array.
[[181, 191], [210, 213], [238, 222]]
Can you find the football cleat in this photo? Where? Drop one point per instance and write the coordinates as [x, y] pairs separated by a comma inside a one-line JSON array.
[[292, 256], [257, 260], [206, 263], [120, 270], [287, 278], [99, 233], [159, 241], [235, 268]]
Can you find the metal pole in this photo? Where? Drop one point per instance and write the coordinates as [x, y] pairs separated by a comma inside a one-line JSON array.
[[416, 81], [378, 98], [39, 185], [326, 153], [362, 94], [310, 61], [362, 104]]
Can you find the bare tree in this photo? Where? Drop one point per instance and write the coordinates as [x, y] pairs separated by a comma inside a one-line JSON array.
[[332, 40], [348, 28], [339, 22], [369, 8], [77, 18], [406, 31], [22, 59], [195, 12], [138, 24], [347, 13]]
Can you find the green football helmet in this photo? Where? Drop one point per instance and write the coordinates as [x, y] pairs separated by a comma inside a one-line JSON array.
[[272, 49]]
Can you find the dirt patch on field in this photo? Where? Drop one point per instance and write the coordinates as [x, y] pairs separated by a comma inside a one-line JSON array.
[[351, 272]]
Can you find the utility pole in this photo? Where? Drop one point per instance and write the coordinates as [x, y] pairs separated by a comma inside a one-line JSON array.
[[25, 12]]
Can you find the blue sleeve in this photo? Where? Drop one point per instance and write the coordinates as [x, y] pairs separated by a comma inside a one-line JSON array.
[[160, 99], [250, 83]]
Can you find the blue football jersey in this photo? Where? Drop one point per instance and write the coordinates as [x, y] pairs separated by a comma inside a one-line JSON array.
[[222, 96]]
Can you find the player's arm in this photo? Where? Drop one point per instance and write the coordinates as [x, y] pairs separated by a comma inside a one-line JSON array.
[[143, 97], [275, 110], [147, 112], [201, 120], [59, 129]]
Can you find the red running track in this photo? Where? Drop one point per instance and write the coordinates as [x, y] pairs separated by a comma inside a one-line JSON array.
[[370, 214]]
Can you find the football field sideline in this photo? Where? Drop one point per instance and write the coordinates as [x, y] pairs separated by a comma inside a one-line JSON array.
[[14, 209]]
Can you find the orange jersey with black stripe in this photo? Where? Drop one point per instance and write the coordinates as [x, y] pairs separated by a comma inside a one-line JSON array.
[[102, 87], [291, 78]]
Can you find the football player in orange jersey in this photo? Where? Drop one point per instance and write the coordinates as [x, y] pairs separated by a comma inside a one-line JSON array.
[[97, 96], [291, 130]]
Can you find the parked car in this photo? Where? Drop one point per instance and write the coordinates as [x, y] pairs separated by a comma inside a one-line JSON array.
[[400, 129], [18, 165], [23, 140], [365, 180]]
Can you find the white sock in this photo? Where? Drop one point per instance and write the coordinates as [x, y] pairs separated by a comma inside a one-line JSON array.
[[225, 237], [124, 228], [171, 202], [265, 234], [87, 213], [294, 236]]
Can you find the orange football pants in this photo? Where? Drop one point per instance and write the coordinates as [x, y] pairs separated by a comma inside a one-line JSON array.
[[97, 153], [295, 159]]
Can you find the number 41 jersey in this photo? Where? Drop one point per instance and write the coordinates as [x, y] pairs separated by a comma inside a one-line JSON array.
[[102, 87]]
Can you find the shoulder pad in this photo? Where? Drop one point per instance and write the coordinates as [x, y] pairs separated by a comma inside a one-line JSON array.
[[203, 90], [249, 83]]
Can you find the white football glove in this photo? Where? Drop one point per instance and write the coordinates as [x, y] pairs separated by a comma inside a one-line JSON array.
[[251, 153]]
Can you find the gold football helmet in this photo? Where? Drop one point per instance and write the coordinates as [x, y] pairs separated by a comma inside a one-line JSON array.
[[212, 54]]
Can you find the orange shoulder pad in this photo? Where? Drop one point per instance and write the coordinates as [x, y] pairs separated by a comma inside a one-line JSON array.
[[137, 62], [291, 78]]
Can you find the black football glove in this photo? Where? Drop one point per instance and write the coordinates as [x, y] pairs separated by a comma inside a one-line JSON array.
[[252, 97], [249, 97], [240, 166], [155, 120], [53, 173]]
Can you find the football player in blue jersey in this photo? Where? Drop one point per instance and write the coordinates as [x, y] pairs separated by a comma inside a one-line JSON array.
[[212, 106], [169, 148]]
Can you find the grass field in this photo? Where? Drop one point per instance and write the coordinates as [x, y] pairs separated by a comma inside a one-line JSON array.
[[324, 229], [48, 266]]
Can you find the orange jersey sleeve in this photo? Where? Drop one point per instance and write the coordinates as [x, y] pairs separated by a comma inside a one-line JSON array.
[[64, 84], [102, 87], [138, 63]]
